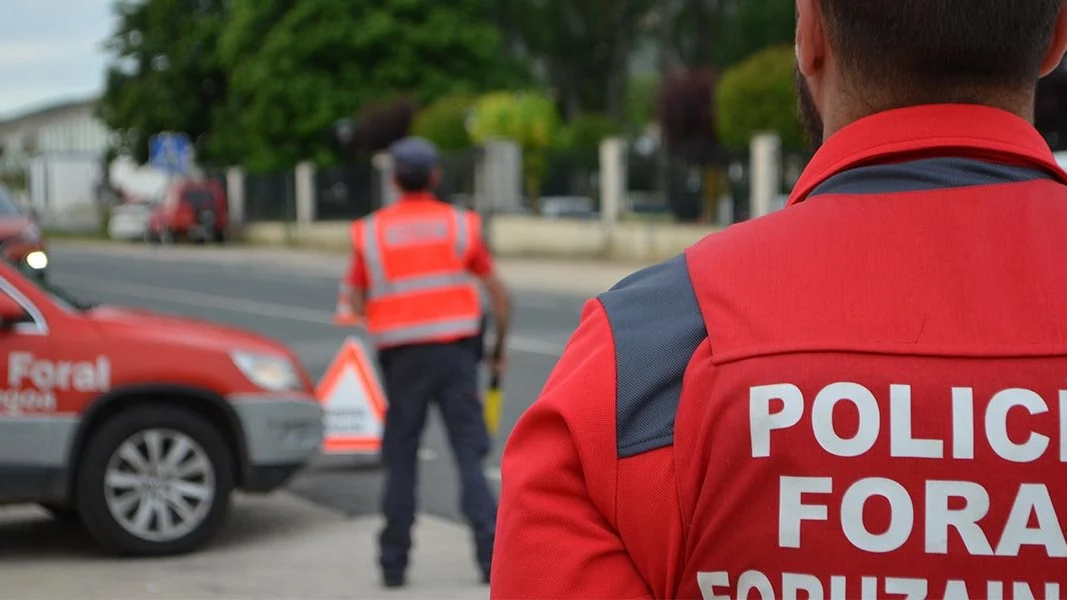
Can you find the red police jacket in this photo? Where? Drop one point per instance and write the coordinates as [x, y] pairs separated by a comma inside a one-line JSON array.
[[861, 396]]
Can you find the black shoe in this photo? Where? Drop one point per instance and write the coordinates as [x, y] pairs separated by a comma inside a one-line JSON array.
[[394, 579]]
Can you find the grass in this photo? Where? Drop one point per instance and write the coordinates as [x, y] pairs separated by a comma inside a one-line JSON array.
[[62, 234]]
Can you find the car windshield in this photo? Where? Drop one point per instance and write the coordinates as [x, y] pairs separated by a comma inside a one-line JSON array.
[[200, 199], [8, 206]]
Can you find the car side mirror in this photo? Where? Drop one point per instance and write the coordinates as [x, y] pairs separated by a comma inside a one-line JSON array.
[[11, 312]]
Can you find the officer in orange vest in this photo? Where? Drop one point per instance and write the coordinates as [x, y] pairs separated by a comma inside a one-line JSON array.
[[414, 282]]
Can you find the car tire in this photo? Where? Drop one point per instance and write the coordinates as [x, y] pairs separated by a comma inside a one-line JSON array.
[[63, 514], [117, 522]]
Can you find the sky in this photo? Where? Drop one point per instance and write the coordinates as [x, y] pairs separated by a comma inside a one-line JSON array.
[[51, 51]]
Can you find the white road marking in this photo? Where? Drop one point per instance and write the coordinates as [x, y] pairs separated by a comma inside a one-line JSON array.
[[256, 307]]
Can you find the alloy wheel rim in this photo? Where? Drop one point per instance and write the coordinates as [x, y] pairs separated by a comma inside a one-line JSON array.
[[159, 485]]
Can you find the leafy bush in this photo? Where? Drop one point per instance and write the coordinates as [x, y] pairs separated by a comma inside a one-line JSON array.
[[445, 122], [380, 123], [587, 130], [684, 110], [759, 95], [528, 118], [641, 102]]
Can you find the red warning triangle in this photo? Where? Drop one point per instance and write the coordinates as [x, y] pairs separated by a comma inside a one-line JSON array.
[[354, 402]]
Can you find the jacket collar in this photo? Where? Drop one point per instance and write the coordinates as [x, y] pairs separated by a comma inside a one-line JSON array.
[[419, 197], [960, 130]]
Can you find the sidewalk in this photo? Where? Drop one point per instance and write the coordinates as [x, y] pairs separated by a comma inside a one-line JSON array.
[[273, 547], [577, 277]]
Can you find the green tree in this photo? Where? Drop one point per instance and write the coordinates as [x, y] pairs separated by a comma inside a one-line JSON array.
[[164, 73], [587, 130], [759, 95], [740, 28], [641, 101], [324, 58], [581, 47], [720, 33]]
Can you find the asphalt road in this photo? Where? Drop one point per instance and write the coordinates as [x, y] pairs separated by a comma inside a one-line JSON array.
[[295, 305]]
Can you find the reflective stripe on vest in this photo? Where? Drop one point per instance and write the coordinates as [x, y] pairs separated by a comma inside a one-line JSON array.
[[420, 333], [382, 290]]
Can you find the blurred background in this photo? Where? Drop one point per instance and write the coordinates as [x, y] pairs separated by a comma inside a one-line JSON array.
[[594, 136], [285, 104]]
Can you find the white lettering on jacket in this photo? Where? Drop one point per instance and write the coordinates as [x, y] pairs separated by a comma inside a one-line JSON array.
[[936, 508]]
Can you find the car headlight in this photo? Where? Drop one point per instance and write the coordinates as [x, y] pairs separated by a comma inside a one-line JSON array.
[[273, 373], [37, 260]]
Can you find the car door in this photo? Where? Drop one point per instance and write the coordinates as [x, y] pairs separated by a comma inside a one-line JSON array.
[[33, 432]]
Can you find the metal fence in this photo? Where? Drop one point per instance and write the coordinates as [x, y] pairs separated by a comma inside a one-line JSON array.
[[667, 187], [270, 197], [572, 173], [345, 192], [644, 184], [458, 176]]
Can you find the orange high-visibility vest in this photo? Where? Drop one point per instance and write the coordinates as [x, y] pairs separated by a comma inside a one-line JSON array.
[[415, 255]]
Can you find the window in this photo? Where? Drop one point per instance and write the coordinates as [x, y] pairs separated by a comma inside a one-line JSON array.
[[35, 323], [200, 199]]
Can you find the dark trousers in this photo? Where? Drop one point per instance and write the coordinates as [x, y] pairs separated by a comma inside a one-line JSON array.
[[415, 376]]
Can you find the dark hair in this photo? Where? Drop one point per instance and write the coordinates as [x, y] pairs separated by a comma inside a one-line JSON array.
[[413, 181], [918, 51]]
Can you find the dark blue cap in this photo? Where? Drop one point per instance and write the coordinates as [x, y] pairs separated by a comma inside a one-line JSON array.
[[413, 155]]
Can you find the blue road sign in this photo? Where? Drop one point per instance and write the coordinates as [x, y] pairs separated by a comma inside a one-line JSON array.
[[171, 152]]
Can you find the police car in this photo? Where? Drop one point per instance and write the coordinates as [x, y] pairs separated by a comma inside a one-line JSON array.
[[140, 426]]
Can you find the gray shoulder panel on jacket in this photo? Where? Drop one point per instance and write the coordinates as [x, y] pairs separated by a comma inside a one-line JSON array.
[[657, 326], [925, 174]]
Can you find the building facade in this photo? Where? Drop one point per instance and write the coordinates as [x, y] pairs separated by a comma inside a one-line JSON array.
[[69, 129]]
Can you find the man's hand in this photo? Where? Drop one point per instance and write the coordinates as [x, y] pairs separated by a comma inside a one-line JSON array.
[[498, 295], [498, 364]]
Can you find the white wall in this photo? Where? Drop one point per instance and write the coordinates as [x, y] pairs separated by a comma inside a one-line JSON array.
[[58, 183], [73, 130]]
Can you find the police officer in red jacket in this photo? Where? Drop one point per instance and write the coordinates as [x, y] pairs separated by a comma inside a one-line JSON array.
[[861, 396]]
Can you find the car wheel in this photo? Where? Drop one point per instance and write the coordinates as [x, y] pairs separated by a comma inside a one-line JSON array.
[[155, 481]]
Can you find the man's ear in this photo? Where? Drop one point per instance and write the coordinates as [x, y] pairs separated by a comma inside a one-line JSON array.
[[1058, 46], [811, 41]]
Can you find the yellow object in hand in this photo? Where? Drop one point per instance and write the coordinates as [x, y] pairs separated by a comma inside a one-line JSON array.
[[494, 403]]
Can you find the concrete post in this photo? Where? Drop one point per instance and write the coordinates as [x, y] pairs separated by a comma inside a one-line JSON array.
[[305, 193], [613, 181], [235, 194], [498, 177], [383, 163], [766, 157]]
